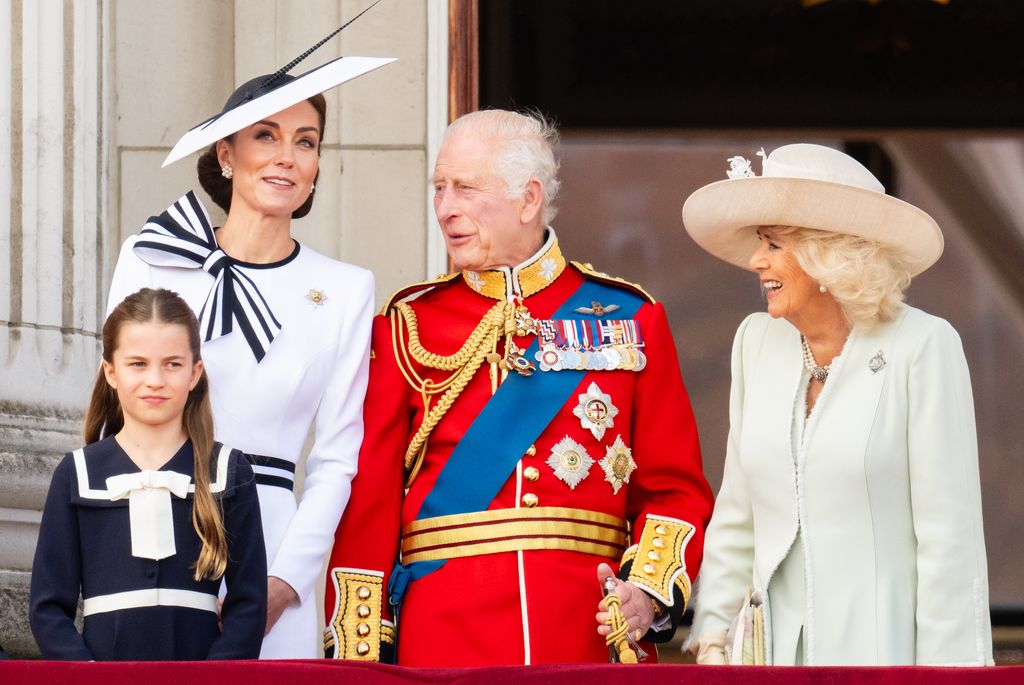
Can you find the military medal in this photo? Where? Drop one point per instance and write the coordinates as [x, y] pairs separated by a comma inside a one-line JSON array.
[[549, 358], [317, 297], [596, 411], [584, 345], [618, 464], [517, 362], [524, 323], [570, 461]]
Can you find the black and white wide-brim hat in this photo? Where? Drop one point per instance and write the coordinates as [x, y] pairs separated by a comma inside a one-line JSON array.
[[257, 100], [809, 186], [264, 96]]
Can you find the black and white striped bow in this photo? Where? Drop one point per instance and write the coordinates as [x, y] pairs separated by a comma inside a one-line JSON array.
[[182, 236]]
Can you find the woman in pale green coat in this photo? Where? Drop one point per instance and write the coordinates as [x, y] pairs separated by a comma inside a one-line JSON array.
[[850, 509]]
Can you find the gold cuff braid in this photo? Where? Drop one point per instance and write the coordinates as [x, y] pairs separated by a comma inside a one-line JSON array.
[[658, 559], [355, 628]]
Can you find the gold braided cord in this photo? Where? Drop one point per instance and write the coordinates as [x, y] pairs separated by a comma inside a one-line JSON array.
[[618, 638], [492, 319], [425, 386], [465, 363], [437, 412]]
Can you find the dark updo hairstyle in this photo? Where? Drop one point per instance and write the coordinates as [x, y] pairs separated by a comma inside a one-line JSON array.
[[208, 168]]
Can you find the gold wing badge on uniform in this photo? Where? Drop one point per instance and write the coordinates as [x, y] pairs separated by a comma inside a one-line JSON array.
[[596, 309]]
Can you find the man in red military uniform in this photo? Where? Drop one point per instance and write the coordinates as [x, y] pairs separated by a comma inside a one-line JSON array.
[[535, 411]]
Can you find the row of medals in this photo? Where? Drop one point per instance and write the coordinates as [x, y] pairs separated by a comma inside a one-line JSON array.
[[552, 358]]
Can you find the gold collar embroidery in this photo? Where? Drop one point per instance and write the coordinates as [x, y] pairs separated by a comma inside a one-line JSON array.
[[524, 280]]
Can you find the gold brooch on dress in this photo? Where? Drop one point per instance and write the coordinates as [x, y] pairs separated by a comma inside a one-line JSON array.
[[317, 297]]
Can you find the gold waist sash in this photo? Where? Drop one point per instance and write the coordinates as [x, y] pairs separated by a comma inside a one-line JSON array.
[[511, 530]]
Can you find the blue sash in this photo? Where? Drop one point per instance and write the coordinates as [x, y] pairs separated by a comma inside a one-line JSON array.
[[492, 446]]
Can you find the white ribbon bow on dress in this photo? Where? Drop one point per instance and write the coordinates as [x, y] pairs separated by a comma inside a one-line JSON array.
[[149, 508], [183, 237]]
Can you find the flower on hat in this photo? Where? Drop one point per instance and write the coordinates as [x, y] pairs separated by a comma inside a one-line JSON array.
[[739, 167]]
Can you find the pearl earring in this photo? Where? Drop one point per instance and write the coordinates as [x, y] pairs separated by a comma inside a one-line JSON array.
[[226, 171], [822, 289], [312, 188]]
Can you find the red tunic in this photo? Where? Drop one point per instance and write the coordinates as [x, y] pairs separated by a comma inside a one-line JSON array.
[[514, 607]]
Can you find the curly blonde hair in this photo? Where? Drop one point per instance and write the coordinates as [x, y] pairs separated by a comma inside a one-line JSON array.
[[866, 278]]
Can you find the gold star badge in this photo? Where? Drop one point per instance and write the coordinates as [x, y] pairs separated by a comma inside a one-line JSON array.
[[317, 297], [618, 464]]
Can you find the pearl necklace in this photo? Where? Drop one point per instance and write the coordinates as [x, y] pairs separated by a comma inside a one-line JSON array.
[[818, 373]]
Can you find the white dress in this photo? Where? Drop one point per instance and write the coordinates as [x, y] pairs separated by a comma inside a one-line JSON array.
[[316, 366]]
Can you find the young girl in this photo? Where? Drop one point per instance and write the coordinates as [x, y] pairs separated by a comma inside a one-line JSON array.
[[144, 522]]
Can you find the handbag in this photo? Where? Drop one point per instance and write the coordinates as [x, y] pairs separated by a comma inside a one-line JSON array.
[[745, 639]]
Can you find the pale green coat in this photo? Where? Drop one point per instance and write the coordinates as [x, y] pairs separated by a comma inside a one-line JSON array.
[[885, 493]]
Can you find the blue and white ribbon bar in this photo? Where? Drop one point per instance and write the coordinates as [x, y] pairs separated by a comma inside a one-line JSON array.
[[572, 334]]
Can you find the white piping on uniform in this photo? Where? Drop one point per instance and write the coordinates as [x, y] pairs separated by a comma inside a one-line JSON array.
[[522, 572]]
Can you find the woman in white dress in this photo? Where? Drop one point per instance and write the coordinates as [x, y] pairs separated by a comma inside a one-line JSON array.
[[286, 330], [850, 509]]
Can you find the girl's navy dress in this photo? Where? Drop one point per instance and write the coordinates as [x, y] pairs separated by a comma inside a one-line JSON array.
[[140, 609]]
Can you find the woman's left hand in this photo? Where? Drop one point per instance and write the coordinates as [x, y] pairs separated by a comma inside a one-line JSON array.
[[279, 595], [637, 606]]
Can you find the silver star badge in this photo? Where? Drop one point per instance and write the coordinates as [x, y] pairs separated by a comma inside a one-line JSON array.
[[570, 461], [596, 411]]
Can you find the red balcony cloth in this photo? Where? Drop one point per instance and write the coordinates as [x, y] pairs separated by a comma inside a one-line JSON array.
[[317, 672]]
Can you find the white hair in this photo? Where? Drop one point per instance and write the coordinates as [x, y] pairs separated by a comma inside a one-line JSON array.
[[866, 278], [525, 150]]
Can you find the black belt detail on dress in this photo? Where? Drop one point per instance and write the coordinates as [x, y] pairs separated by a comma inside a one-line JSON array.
[[276, 481], [275, 463], [272, 462]]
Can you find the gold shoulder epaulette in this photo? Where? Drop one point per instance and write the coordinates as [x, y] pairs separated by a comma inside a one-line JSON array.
[[415, 288], [588, 271]]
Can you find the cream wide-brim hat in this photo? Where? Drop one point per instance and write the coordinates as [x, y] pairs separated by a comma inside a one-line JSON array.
[[808, 186]]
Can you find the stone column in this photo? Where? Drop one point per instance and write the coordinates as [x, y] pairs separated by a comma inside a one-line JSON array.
[[52, 200]]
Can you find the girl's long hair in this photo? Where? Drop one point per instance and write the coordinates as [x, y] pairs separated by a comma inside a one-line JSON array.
[[104, 416]]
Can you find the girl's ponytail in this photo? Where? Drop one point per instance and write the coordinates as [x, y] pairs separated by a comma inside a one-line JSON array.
[[103, 417], [207, 517]]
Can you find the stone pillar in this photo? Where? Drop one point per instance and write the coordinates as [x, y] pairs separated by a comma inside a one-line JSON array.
[[52, 201]]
